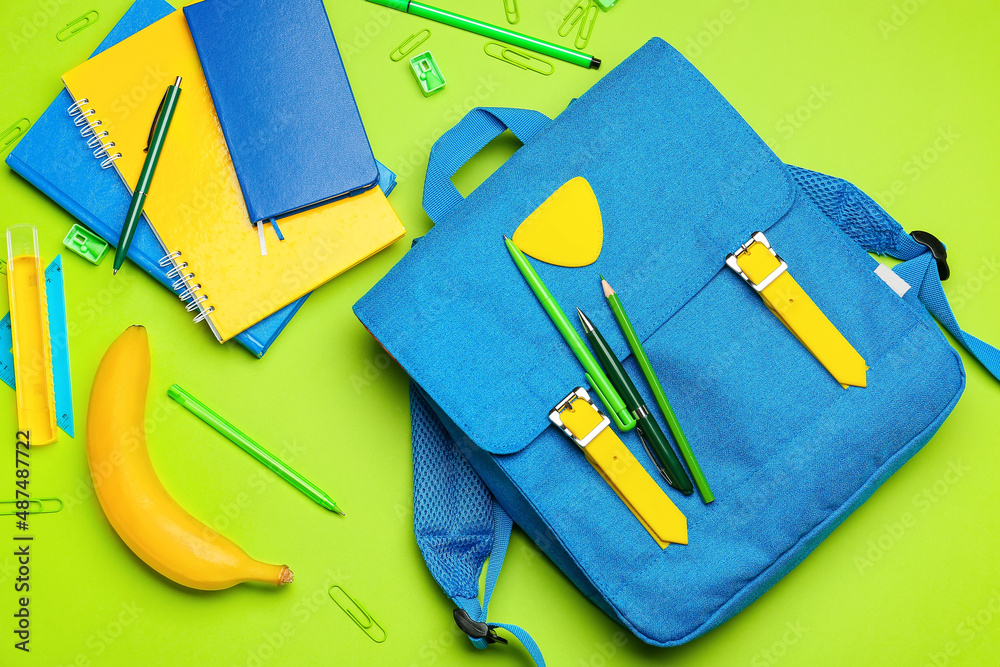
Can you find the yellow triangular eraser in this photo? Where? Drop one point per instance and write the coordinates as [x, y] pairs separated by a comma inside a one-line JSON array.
[[566, 229]]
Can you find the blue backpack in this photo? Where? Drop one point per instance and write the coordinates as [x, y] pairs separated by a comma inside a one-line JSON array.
[[789, 453]]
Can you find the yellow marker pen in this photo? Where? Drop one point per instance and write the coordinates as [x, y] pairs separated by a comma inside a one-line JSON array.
[[29, 319]]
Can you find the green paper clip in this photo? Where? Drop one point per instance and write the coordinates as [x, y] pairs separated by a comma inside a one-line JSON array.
[[586, 26], [576, 13], [428, 73], [409, 44], [523, 59], [13, 133], [367, 624], [510, 8], [86, 244], [40, 502], [78, 24]]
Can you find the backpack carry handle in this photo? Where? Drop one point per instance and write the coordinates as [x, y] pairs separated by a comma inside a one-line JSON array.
[[461, 143]]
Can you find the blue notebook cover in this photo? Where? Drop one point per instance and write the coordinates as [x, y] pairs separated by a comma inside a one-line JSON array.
[[284, 103], [53, 157]]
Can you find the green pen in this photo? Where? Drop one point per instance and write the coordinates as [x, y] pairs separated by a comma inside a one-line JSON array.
[[241, 440], [661, 397], [492, 31], [649, 430], [595, 376], [154, 146]]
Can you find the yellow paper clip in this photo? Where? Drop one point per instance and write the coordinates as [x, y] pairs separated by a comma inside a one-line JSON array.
[[35, 506], [575, 14], [409, 44], [587, 26], [524, 59], [367, 624], [510, 7]]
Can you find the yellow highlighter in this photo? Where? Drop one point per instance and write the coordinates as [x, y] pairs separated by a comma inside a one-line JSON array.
[[32, 350]]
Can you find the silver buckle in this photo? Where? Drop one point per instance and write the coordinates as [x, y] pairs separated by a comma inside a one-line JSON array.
[[581, 394], [757, 237]]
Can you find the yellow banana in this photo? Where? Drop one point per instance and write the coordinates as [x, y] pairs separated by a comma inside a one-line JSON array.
[[148, 520]]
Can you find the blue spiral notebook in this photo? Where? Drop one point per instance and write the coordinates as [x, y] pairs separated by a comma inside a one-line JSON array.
[[284, 103], [54, 158]]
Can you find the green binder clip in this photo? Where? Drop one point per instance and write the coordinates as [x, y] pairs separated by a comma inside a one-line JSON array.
[[86, 244], [428, 73]]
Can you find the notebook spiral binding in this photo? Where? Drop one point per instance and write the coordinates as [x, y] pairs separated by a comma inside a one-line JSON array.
[[83, 117], [185, 286]]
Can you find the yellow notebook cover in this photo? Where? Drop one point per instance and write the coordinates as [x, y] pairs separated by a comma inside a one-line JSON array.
[[195, 204]]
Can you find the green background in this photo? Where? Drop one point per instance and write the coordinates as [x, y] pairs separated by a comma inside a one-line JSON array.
[[899, 97]]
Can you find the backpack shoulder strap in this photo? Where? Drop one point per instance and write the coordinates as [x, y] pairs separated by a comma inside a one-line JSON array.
[[458, 524]]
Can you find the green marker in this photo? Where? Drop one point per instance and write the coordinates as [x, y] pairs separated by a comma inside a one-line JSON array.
[[595, 376], [662, 453], [241, 440], [492, 31], [661, 398]]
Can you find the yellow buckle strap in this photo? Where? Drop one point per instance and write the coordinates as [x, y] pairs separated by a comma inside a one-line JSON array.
[[761, 267], [578, 417]]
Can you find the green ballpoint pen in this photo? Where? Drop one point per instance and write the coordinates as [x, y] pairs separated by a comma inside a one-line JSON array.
[[492, 31], [661, 397], [595, 376], [671, 467], [241, 440], [154, 146]]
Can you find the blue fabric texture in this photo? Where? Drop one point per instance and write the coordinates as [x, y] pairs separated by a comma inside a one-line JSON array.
[[790, 453]]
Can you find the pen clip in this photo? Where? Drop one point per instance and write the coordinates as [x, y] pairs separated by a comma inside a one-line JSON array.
[[652, 457], [156, 119], [623, 425]]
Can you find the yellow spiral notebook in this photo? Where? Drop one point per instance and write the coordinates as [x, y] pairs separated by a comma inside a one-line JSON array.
[[195, 204]]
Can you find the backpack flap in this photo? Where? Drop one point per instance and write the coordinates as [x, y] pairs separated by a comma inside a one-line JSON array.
[[680, 178]]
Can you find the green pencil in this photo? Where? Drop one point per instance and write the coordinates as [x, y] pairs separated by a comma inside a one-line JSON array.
[[595, 375], [661, 397], [243, 441]]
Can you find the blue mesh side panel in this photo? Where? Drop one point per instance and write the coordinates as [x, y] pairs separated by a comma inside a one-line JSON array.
[[852, 210], [452, 508]]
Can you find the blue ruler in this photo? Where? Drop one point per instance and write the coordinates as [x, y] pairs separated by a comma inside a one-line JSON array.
[[55, 295]]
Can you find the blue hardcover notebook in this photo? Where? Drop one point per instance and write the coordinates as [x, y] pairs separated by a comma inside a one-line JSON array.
[[284, 103], [54, 158]]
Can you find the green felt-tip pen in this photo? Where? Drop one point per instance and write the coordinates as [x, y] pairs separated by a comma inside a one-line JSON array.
[[662, 452], [661, 397], [492, 31], [595, 375], [244, 442]]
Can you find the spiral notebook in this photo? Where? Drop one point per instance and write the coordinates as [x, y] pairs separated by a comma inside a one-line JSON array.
[[195, 206]]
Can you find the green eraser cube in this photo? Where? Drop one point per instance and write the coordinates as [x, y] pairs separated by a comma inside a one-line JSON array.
[[86, 244], [428, 73]]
